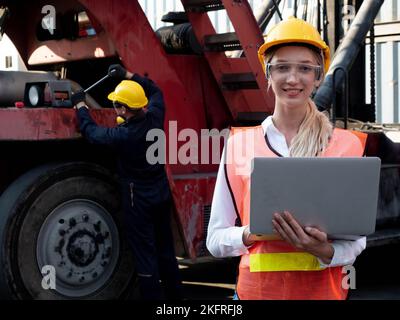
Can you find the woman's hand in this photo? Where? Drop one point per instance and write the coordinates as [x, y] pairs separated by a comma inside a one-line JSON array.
[[307, 239], [249, 238]]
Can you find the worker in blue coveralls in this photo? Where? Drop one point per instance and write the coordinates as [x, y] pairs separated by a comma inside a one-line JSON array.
[[145, 190]]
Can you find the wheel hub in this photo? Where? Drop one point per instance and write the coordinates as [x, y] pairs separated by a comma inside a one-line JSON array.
[[82, 248], [80, 239]]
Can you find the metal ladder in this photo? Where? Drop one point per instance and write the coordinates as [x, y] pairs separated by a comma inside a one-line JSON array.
[[241, 79]]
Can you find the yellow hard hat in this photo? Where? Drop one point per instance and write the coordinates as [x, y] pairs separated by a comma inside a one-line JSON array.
[[294, 30], [129, 93]]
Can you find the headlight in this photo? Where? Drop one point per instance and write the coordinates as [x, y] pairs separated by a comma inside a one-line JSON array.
[[34, 95]]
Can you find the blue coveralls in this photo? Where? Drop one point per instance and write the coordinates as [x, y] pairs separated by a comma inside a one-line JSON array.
[[145, 194]]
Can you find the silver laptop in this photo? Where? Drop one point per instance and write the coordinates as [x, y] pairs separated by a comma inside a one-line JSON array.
[[337, 195]]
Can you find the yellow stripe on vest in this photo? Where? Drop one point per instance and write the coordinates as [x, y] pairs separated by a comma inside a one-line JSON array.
[[290, 261]]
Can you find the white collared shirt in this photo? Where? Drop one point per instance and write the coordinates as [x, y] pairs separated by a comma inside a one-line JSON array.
[[224, 239]]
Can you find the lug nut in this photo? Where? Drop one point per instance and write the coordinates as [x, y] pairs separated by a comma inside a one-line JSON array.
[[97, 226], [99, 238], [61, 221], [85, 218], [61, 232], [81, 279], [72, 222], [94, 275]]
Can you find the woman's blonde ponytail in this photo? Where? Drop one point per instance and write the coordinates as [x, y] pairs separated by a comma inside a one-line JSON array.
[[314, 134]]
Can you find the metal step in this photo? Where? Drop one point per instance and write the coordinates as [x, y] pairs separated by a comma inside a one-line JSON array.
[[222, 42], [203, 5], [238, 81]]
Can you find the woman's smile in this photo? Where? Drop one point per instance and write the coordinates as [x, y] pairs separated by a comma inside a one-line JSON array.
[[292, 92]]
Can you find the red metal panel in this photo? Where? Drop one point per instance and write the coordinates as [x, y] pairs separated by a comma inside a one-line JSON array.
[[54, 51], [191, 194], [46, 123]]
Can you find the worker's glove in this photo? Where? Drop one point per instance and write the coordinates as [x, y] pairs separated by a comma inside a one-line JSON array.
[[116, 71], [77, 97]]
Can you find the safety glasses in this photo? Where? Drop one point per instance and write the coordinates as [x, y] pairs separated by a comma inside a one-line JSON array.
[[280, 70], [117, 105]]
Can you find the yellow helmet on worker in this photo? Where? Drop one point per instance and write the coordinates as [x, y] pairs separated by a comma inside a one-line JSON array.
[[130, 94], [294, 30]]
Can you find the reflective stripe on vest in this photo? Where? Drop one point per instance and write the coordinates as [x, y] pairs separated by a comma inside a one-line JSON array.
[[289, 261], [261, 272]]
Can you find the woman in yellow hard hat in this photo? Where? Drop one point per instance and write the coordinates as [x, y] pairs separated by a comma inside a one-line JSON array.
[[300, 263], [146, 197]]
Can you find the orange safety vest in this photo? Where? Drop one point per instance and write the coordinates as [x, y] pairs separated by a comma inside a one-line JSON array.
[[274, 269]]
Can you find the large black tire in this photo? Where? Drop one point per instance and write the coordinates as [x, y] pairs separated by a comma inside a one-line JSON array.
[[67, 216]]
